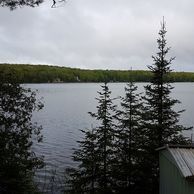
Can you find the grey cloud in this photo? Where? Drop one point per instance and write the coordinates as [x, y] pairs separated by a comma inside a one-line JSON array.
[[111, 34]]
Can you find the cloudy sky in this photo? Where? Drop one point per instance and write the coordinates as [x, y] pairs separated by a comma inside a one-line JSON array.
[[98, 34]]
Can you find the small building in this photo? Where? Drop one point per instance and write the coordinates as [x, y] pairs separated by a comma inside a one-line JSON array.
[[176, 169]]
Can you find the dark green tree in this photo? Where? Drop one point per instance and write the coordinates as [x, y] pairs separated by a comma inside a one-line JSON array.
[[105, 139], [161, 121], [129, 140], [83, 178], [96, 153], [17, 133]]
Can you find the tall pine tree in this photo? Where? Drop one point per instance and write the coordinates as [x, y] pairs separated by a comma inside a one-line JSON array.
[[161, 121], [96, 153], [83, 179], [129, 140], [105, 139]]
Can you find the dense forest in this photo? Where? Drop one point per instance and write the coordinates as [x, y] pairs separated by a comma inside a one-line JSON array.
[[54, 74]]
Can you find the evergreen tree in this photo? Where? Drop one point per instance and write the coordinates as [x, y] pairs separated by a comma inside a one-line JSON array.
[[96, 153], [83, 178], [105, 139], [129, 140], [161, 121], [17, 134]]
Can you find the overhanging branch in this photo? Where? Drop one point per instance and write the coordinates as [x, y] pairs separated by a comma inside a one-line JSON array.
[[55, 2]]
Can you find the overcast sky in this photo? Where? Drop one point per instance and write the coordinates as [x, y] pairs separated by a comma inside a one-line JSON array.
[[98, 34]]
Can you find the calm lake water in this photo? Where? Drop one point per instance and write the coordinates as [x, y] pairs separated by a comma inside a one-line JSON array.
[[65, 112]]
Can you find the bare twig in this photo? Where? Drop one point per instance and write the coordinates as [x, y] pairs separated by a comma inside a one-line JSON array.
[[54, 5]]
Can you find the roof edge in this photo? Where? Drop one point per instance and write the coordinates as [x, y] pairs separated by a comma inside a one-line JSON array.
[[175, 146]]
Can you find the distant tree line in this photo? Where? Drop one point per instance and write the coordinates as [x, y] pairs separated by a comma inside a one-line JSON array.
[[119, 155], [53, 74]]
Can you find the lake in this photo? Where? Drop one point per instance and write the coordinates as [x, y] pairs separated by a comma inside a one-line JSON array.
[[65, 112]]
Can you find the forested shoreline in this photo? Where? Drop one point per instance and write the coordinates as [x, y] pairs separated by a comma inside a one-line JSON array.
[[117, 156], [25, 73]]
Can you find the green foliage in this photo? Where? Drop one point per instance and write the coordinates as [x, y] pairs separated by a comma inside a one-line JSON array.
[[129, 141], [54, 74], [161, 121], [96, 153], [105, 135], [84, 179], [17, 134], [13, 4]]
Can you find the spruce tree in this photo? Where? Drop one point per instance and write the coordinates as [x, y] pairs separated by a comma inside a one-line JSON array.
[[105, 138], [96, 152], [129, 140], [83, 178], [161, 121]]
